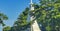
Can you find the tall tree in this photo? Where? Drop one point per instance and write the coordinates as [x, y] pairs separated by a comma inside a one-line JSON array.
[[48, 14], [2, 18], [21, 23]]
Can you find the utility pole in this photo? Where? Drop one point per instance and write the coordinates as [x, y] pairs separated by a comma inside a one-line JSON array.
[[34, 25]]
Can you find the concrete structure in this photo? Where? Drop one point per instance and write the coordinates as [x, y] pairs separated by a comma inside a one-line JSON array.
[[34, 26]]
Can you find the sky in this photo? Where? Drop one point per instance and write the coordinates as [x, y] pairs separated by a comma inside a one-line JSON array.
[[12, 8]]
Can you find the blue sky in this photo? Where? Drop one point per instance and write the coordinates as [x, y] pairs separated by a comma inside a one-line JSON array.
[[12, 8]]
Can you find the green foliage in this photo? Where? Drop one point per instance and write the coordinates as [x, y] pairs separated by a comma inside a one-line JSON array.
[[6, 28], [49, 14], [21, 22], [2, 18]]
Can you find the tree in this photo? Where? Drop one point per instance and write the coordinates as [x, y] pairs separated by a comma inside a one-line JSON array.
[[7, 28], [21, 23], [48, 14], [2, 18]]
